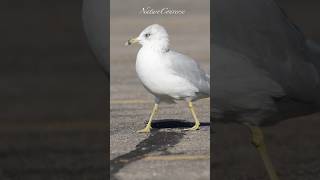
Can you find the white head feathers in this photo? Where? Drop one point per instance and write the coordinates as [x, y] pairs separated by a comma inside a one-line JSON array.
[[155, 37]]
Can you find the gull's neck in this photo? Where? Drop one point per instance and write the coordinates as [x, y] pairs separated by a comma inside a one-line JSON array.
[[158, 46]]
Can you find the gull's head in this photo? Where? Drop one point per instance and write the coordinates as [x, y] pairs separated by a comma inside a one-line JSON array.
[[154, 36]]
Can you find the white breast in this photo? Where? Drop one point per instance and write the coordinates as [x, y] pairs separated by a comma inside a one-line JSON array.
[[153, 69]]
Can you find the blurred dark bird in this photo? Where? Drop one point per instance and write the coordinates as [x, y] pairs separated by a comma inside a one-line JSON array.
[[264, 70], [95, 21]]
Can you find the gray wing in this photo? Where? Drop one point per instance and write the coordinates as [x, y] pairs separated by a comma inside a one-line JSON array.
[[239, 86], [258, 54], [186, 67], [261, 32]]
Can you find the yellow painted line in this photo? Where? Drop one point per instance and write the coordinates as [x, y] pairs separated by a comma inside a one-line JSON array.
[[130, 101], [123, 160], [176, 157], [52, 126]]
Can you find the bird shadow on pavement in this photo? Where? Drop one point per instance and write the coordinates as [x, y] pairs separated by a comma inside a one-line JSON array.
[[157, 141], [175, 123]]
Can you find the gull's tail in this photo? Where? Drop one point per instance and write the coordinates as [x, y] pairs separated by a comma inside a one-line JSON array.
[[208, 83], [204, 86]]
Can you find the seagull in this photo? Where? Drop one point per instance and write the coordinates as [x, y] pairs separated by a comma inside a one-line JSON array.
[[264, 69], [167, 74]]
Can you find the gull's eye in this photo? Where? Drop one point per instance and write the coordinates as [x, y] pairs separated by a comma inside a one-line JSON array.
[[147, 35]]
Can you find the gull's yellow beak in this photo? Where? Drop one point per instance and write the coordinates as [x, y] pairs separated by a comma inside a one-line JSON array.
[[132, 41]]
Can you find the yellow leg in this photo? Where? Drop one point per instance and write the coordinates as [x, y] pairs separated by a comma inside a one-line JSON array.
[[196, 121], [148, 126], [258, 141]]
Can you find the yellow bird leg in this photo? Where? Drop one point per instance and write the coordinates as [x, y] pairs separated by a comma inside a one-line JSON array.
[[148, 126], [258, 142], [197, 123]]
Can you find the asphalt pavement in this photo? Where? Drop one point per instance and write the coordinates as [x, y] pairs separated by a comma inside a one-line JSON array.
[[168, 152]]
